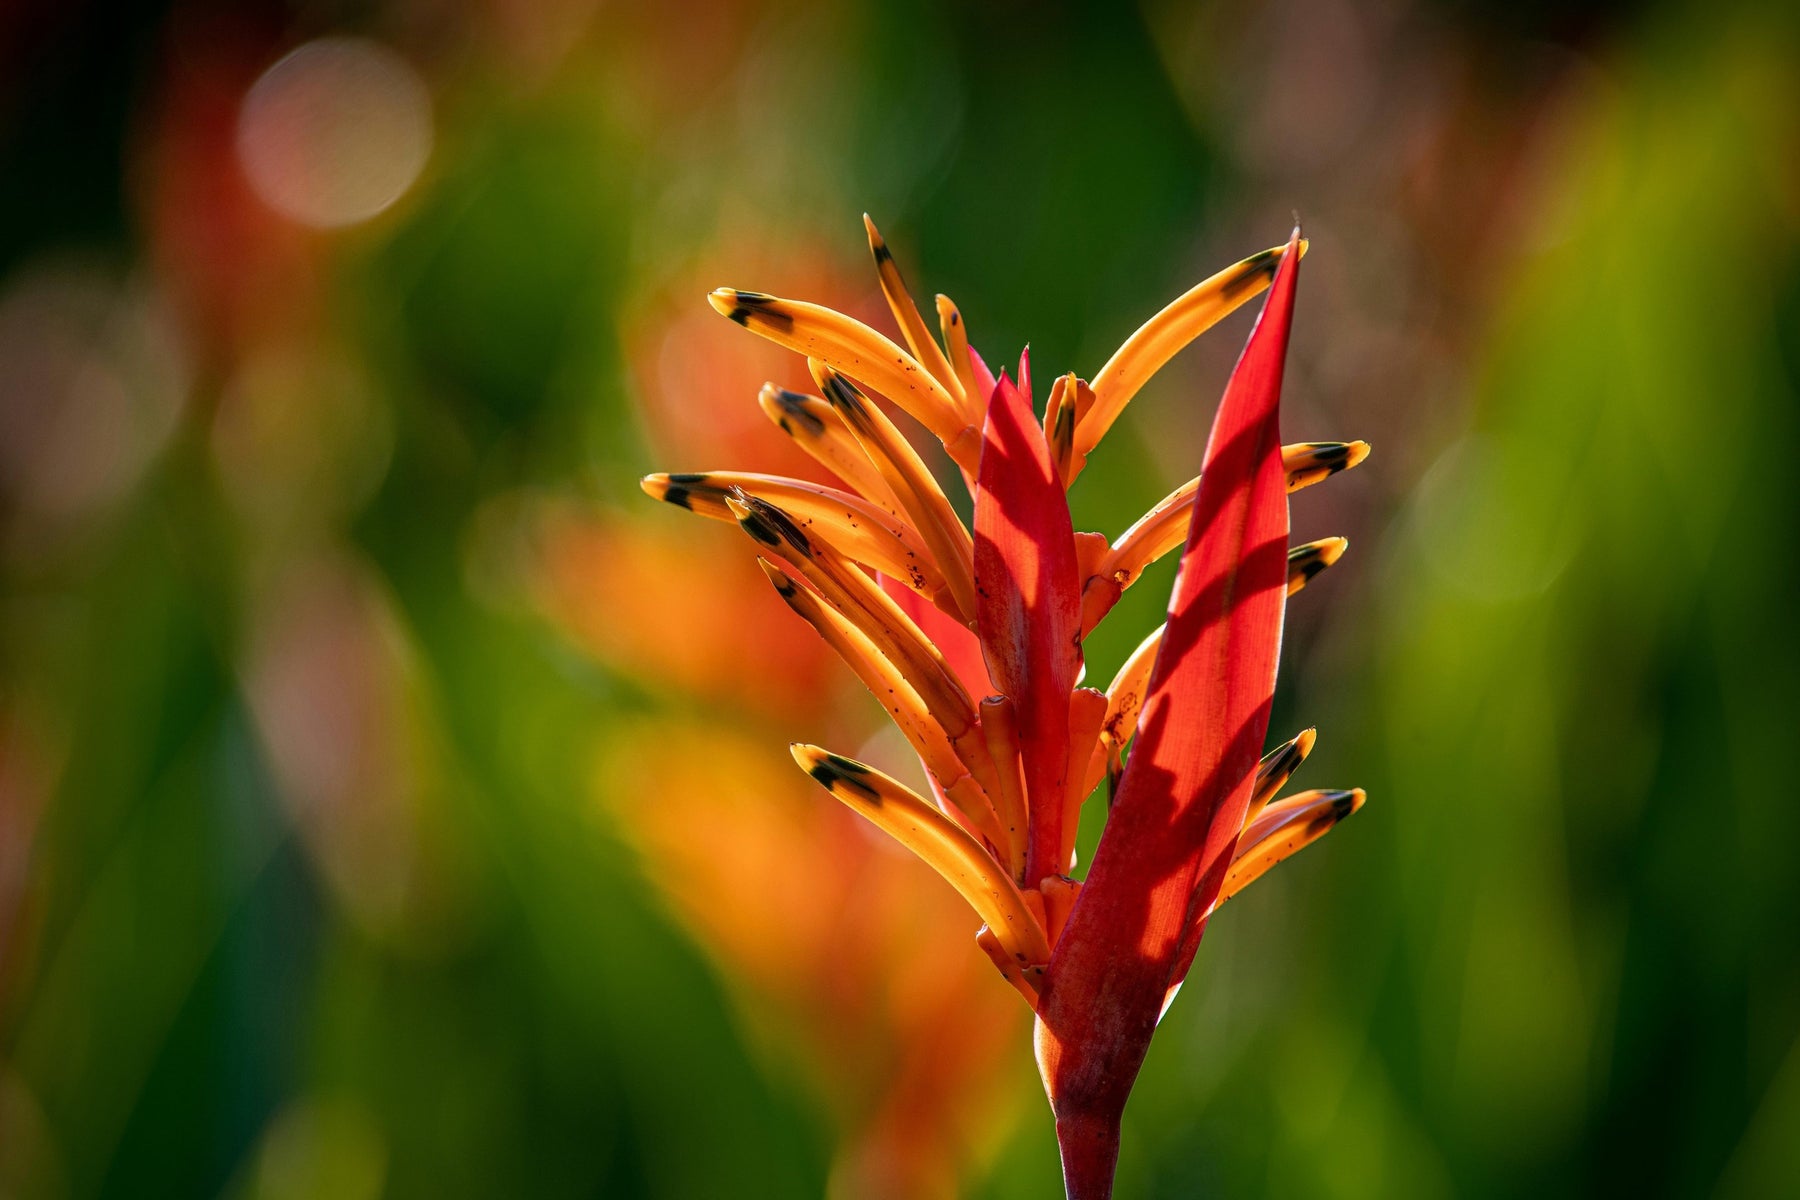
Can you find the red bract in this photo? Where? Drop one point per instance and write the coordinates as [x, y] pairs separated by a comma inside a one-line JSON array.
[[1028, 609], [892, 579], [1180, 803]]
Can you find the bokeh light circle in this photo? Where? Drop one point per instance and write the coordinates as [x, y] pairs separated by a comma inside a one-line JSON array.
[[335, 132]]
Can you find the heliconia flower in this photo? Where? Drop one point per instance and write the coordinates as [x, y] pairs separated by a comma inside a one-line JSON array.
[[972, 642]]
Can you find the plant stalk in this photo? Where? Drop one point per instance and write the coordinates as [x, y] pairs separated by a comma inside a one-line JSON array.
[[1090, 1153]]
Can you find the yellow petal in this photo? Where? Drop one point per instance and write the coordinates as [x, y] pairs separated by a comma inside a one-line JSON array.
[[1066, 400], [849, 590], [1125, 695], [886, 683], [1087, 715], [822, 434], [956, 341], [912, 325], [916, 824], [944, 534], [1275, 769], [1284, 828], [856, 528], [1164, 335], [1165, 526], [851, 347], [1060, 893], [1027, 979], [1309, 462], [1306, 561]]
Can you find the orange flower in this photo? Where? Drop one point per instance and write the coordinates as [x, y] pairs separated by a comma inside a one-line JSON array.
[[931, 616]]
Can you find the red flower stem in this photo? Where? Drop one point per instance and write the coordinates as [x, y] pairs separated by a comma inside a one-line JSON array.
[[1090, 1153]]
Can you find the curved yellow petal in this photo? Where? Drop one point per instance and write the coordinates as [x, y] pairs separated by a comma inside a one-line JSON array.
[[1284, 828], [1165, 526], [856, 528], [956, 342], [1275, 769], [952, 548], [1026, 979], [1087, 716], [1306, 561], [1163, 336], [906, 314], [886, 683], [1125, 695], [853, 593], [915, 823], [851, 347], [1309, 462], [823, 435]]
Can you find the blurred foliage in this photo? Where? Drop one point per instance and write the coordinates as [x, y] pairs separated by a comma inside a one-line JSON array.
[[381, 777]]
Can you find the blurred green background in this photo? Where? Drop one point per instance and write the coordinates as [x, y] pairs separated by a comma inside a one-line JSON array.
[[393, 801]]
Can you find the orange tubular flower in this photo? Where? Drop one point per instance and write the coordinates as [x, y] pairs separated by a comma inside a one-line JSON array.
[[972, 642]]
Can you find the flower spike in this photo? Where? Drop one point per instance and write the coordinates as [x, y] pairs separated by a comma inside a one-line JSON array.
[[970, 637]]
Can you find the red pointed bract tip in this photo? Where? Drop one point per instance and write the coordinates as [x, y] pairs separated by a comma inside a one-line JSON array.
[[1182, 797]]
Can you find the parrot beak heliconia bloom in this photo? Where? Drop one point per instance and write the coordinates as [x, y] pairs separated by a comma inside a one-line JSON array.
[[972, 642]]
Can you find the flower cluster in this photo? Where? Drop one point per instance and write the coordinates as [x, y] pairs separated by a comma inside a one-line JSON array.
[[972, 641]]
